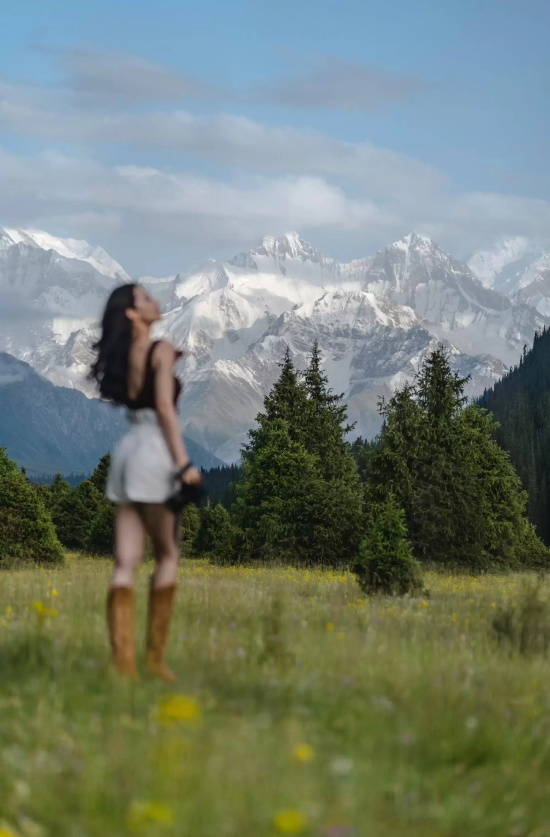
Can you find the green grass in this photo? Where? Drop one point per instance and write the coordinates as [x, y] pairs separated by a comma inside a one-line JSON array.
[[417, 722]]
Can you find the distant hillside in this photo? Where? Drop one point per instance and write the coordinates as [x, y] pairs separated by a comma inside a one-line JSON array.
[[47, 428], [520, 402]]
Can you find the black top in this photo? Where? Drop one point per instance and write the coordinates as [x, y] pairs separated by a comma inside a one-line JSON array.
[[146, 398]]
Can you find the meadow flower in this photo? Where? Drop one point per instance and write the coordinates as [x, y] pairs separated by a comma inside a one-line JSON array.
[[330, 627], [290, 821], [178, 709], [304, 752], [143, 814], [5, 831], [43, 610]]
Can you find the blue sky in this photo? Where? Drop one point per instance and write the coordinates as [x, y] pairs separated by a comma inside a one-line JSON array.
[[173, 131]]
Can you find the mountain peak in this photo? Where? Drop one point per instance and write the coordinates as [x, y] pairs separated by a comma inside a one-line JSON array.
[[69, 248], [416, 240], [290, 244]]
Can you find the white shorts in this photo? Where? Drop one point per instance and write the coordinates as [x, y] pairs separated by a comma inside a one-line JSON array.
[[142, 469]]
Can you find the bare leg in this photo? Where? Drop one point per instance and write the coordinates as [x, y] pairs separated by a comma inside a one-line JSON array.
[[129, 545], [160, 524]]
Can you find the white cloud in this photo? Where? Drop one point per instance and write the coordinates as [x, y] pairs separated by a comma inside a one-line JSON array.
[[173, 204], [226, 139], [348, 196], [193, 210]]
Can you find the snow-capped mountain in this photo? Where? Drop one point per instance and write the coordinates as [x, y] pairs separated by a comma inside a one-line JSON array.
[[68, 248], [375, 319], [52, 291], [515, 266], [449, 300], [370, 347]]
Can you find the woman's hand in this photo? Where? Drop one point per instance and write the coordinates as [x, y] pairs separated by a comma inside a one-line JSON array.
[[191, 476]]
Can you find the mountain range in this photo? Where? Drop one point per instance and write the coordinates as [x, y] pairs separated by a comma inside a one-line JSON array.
[[375, 319], [48, 428]]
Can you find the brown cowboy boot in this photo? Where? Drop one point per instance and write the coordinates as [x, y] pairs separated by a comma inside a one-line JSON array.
[[121, 615], [158, 623]]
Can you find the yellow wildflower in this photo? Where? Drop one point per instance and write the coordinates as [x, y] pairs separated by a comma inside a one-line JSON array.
[[330, 627], [6, 832], [143, 814], [341, 635], [178, 709], [290, 821], [304, 752], [43, 610]]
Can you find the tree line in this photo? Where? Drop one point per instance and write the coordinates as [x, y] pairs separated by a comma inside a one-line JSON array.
[[434, 489], [520, 403]]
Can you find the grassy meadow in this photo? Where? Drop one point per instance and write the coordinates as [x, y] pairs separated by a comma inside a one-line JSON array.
[[301, 708]]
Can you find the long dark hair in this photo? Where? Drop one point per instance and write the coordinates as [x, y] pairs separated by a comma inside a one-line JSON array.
[[110, 368]]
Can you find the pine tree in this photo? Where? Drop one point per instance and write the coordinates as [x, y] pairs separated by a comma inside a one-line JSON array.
[[72, 510], [287, 400], [447, 490], [325, 416], [300, 498], [339, 525], [100, 535], [220, 484], [97, 532], [462, 501], [26, 529], [56, 499], [99, 476], [216, 538], [385, 562], [394, 463], [277, 495], [520, 402], [190, 522], [508, 539]]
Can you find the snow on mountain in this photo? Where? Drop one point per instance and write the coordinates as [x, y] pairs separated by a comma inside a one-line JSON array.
[[213, 325], [450, 301], [515, 266], [69, 248], [289, 255], [54, 291], [226, 306], [49, 276], [370, 346], [537, 292], [491, 266], [162, 289], [375, 320]]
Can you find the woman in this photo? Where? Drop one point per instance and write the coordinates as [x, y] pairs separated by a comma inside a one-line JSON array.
[[147, 463]]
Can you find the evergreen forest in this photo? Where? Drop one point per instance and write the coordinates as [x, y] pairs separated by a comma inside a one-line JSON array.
[[442, 486], [520, 404]]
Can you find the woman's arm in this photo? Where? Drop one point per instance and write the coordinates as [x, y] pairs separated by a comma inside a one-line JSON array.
[[163, 363]]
